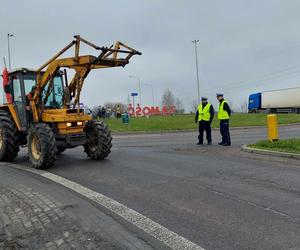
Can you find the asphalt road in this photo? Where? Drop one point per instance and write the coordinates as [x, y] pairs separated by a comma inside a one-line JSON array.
[[217, 197]]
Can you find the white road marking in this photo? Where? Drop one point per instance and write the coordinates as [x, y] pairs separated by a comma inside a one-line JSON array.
[[159, 232]]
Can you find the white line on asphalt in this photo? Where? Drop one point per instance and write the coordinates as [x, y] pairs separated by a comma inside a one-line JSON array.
[[159, 232]]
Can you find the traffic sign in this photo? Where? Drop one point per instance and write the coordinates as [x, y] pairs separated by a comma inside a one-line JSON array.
[[134, 94]]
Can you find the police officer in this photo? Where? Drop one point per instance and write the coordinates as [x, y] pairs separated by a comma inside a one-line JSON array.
[[204, 117], [224, 113]]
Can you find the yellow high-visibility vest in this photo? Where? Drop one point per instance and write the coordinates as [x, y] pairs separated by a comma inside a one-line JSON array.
[[222, 114], [204, 114]]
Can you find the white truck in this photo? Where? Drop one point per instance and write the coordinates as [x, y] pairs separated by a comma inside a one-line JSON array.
[[276, 101]]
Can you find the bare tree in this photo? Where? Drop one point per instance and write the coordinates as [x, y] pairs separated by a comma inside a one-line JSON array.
[[168, 98], [179, 106]]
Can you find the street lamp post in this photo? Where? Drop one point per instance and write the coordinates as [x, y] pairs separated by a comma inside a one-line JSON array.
[[152, 90], [8, 48], [134, 114], [197, 70], [140, 92]]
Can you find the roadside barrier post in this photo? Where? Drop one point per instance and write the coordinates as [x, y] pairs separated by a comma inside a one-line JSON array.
[[272, 127]]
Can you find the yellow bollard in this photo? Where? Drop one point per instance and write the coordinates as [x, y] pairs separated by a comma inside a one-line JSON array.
[[272, 127]]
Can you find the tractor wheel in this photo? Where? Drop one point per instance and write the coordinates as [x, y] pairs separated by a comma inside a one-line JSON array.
[[9, 136], [99, 140], [60, 150], [41, 146]]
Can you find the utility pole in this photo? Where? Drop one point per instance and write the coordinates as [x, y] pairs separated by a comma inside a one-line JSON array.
[[152, 90], [134, 114], [8, 48], [140, 91], [197, 70], [152, 95]]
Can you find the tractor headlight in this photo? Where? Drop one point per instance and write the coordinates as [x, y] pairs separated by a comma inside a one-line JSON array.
[[69, 124], [79, 123]]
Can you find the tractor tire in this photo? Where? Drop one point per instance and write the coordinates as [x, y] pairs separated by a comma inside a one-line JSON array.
[[99, 140], [60, 150], [41, 146], [9, 136]]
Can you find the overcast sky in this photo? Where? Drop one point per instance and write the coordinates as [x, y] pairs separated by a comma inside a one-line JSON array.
[[245, 46]]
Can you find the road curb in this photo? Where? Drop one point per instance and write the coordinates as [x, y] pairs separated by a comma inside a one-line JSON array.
[[245, 148]]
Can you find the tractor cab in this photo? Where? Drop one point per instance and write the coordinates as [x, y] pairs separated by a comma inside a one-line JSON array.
[[21, 85]]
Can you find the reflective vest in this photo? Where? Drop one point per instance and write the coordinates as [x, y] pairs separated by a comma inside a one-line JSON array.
[[204, 113], [222, 114]]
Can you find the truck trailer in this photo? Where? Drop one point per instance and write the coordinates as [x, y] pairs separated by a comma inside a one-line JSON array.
[[275, 101]]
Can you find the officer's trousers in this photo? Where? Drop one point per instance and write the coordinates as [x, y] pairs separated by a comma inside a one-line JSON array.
[[224, 130], [204, 126]]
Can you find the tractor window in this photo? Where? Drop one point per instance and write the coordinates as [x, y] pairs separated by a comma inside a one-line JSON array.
[[58, 90], [55, 99], [17, 89], [29, 82]]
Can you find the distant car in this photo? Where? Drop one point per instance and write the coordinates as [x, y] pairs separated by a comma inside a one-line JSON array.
[[87, 110]]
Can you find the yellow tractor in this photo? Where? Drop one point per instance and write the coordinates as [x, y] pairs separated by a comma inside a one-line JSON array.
[[45, 111]]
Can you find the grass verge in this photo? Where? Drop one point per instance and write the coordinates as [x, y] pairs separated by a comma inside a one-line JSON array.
[[186, 122], [289, 145]]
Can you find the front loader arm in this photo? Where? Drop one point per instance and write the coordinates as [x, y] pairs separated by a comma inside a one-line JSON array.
[[108, 57]]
